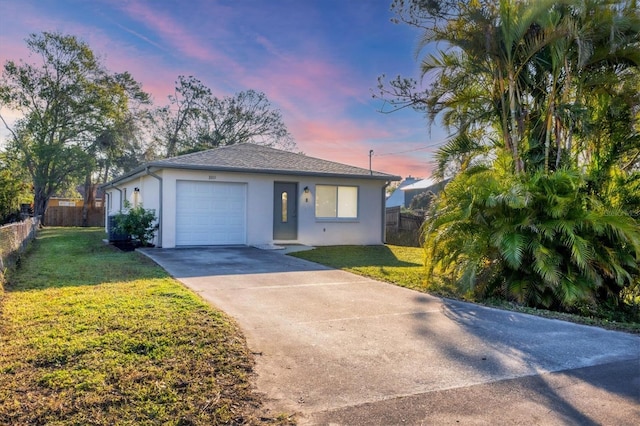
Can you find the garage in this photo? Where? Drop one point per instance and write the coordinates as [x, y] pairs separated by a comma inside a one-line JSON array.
[[237, 194], [210, 213]]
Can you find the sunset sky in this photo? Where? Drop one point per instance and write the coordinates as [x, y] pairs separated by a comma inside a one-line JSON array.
[[316, 60]]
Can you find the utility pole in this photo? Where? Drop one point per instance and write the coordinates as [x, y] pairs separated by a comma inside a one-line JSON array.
[[370, 154]]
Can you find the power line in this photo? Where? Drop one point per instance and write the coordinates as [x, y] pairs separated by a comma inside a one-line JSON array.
[[431, 145]]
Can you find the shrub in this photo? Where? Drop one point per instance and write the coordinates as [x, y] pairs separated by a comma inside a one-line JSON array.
[[539, 240], [139, 223]]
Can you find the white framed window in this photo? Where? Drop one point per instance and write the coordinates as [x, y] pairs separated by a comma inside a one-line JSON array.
[[336, 202]]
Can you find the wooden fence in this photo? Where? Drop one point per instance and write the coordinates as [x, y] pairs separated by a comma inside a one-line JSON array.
[[397, 220], [403, 228], [72, 216]]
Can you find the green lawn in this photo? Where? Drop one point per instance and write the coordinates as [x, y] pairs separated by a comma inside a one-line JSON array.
[[92, 335], [403, 266]]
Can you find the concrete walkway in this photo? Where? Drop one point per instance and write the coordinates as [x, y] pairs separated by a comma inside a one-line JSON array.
[[337, 348]]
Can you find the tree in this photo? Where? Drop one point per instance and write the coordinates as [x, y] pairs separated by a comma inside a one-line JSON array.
[[14, 188], [196, 120], [541, 101], [66, 99], [116, 148], [176, 122], [520, 76]]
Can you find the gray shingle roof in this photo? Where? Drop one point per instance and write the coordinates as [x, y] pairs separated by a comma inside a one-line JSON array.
[[253, 158]]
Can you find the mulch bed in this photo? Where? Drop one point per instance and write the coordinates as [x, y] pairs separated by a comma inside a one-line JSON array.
[[125, 245]]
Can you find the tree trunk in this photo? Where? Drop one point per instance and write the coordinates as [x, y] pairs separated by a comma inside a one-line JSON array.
[[515, 140], [40, 202], [88, 196]]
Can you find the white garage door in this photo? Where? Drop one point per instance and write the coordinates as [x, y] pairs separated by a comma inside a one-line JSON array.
[[210, 213]]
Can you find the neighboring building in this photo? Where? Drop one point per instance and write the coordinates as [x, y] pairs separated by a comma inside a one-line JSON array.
[[96, 198], [421, 186], [249, 194], [397, 196], [65, 202]]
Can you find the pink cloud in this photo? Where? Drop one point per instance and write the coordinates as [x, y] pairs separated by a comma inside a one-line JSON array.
[[293, 85], [316, 93], [346, 142], [403, 166], [176, 36], [339, 130], [357, 154]]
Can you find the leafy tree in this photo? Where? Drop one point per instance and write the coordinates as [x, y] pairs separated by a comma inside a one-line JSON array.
[[541, 99], [177, 120], [522, 76], [67, 100], [421, 201], [196, 120], [14, 188], [117, 148]]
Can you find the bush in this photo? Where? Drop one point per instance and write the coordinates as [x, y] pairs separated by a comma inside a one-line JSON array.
[[539, 240], [140, 224]]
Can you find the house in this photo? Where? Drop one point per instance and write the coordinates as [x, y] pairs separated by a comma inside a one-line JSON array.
[[420, 187], [95, 198], [249, 194], [397, 197]]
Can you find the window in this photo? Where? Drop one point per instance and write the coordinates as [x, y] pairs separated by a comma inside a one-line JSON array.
[[339, 202], [284, 207]]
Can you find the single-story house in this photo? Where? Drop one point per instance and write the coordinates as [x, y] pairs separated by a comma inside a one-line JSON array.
[[420, 187], [397, 197], [250, 194]]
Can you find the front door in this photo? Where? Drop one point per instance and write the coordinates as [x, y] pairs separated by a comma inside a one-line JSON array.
[[285, 211]]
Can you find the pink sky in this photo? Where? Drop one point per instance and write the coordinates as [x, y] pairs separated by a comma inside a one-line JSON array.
[[317, 62]]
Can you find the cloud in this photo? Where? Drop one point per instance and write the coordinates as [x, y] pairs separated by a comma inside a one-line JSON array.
[[143, 38], [316, 79], [178, 37], [349, 142]]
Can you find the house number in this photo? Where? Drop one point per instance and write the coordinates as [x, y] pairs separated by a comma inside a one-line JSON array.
[[212, 177]]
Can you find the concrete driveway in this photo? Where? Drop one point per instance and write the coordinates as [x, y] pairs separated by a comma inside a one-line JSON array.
[[337, 348]]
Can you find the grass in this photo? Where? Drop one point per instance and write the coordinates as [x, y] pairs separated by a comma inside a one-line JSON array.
[[400, 265], [404, 266], [92, 335]]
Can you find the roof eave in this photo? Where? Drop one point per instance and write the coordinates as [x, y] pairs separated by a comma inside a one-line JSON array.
[[126, 176], [159, 165]]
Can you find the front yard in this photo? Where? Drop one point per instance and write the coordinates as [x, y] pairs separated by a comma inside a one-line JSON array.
[[92, 335], [399, 265]]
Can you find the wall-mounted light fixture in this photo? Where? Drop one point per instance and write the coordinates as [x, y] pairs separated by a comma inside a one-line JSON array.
[[307, 193]]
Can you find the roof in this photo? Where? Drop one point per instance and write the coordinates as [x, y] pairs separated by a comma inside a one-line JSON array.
[[421, 184], [397, 197], [251, 158]]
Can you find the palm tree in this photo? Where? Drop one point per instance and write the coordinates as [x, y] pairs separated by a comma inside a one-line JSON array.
[[541, 99]]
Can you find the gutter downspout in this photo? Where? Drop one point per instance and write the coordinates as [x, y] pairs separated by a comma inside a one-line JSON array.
[[106, 210], [107, 202], [120, 191], [384, 213], [160, 205]]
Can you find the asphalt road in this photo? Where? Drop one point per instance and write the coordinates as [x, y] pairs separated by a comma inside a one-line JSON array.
[[340, 349]]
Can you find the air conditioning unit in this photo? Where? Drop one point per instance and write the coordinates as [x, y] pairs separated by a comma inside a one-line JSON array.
[[114, 235]]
